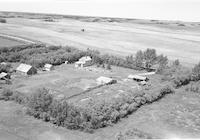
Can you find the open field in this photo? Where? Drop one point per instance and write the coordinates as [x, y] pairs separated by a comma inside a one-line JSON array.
[[10, 41], [121, 36], [6, 42]]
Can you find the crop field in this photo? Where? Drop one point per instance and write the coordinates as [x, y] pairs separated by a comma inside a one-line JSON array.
[[119, 37]]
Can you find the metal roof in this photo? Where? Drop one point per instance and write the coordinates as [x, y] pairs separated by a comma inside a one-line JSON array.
[[104, 79], [24, 68], [85, 58], [137, 77], [3, 74], [48, 65]]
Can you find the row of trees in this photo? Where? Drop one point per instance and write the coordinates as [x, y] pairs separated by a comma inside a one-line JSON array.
[[148, 58], [183, 76], [38, 54], [97, 114]]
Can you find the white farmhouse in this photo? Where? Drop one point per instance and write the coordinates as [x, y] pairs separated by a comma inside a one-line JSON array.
[[48, 67], [84, 62]]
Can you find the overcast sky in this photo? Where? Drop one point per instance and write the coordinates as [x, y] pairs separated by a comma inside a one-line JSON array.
[[187, 10]]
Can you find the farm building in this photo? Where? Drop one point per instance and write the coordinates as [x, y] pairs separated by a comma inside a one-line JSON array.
[[137, 78], [48, 67], [4, 76], [84, 62], [154, 68], [26, 69], [105, 80]]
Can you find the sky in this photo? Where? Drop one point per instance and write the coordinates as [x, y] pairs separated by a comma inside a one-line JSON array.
[[185, 10]]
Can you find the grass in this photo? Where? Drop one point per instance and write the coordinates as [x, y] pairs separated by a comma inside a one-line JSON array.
[[5, 42]]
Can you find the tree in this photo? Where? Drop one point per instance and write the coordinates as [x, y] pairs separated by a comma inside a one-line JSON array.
[[149, 57], [196, 72], [139, 58], [176, 63], [162, 61], [129, 59]]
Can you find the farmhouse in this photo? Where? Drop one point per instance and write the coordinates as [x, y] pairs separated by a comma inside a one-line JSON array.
[[137, 78], [84, 62], [4, 76], [48, 67], [105, 80], [26, 69]]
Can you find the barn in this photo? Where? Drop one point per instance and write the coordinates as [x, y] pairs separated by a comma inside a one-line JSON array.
[[26, 69], [137, 78]]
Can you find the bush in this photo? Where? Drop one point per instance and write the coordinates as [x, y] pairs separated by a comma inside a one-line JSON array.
[[40, 102], [19, 98], [166, 90], [2, 20], [181, 80], [6, 94], [193, 87]]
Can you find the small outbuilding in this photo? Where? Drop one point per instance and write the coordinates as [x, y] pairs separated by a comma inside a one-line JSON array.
[[137, 78], [66, 62], [84, 62], [105, 80], [3, 63], [48, 67], [4, 76], [26, 69]]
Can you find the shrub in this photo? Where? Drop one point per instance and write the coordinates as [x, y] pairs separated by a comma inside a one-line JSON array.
[[6, 94], [2, 20], [19, 98], [193, 87], [196, 72], [40, 102], [181, 81], [166, 90]]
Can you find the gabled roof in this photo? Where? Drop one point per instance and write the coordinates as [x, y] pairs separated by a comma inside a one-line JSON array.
[[85, 58], [24, 67], [48, 65], [3, 74], [137, 77]]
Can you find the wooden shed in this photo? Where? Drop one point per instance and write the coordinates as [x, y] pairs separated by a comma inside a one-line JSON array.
[[26, 69]]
